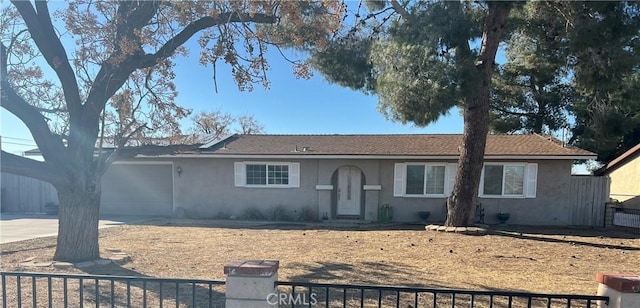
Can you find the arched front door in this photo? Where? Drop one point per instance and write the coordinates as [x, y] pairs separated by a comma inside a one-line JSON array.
[[349, 191]]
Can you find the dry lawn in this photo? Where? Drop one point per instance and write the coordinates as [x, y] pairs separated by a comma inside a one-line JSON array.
[[519, 259]]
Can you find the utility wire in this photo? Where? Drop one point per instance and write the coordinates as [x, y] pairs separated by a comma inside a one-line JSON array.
[[15, 138], [16, 143]]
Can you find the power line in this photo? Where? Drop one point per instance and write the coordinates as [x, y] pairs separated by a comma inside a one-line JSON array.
[[14, 138], [16, 143], [17, 153]]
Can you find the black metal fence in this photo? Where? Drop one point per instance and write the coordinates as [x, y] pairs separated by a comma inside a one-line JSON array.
[[626, 217], [68, 290], [301, 294]]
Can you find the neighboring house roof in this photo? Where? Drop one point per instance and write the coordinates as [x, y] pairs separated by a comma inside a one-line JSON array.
[[108, 144], [619, 161], [437, 145], [213, 140]]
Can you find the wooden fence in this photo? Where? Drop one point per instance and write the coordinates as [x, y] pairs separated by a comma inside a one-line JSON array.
[[587, 198], [25, 195]]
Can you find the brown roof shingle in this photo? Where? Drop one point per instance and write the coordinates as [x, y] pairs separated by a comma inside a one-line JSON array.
[[390, 145]]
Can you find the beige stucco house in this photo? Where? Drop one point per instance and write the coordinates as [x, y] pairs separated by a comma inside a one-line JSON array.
[[350, 177], [624, 172]]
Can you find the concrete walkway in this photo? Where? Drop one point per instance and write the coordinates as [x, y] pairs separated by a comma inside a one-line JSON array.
[[20, 227]]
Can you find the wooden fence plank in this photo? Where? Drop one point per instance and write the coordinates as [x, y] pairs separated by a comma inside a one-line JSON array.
[[587, 198], [25, 195]]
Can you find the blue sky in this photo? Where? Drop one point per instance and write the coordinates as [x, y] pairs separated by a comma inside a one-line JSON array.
[[290, 106]]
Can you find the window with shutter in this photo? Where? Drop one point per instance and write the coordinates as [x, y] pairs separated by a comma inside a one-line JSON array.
[[271, 174], [420, 180]]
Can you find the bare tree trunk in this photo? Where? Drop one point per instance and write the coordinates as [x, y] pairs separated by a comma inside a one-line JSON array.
[[78, 224], [462, 202]]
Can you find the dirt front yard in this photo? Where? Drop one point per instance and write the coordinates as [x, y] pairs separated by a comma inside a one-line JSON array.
[[519, 259]]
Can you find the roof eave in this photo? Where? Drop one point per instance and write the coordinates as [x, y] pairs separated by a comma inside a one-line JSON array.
[[367, 156], [620, 160]]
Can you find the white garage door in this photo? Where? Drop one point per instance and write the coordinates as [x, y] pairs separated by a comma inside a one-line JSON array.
[[137, 189]]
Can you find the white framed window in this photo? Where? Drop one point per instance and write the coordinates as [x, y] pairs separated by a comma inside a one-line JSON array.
[[267, 174], [509, 180], [423, 179], [499, 180]]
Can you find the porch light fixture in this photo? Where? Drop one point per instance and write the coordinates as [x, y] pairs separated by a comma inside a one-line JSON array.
[[179, 170]]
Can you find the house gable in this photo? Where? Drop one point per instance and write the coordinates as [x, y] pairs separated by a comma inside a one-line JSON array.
[[624, 172], [620, 161]]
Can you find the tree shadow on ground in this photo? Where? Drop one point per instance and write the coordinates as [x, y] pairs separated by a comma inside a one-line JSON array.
[[564, 240], [12, 251], [279, 225], [385, 273], [368, 283], [139, 290], [14, 216], [569, 231]]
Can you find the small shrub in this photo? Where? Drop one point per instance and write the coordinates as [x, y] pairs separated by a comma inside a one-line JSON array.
[[252, 213], [221, 215], [307, 214], [202, 211], [278, 213]]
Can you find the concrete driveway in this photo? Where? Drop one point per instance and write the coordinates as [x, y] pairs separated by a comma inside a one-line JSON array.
[[20, 227]]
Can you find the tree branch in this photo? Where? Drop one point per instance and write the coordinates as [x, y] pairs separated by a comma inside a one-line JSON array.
[[131, 16], [14, 38], [18, 165], [103, 164], [401, 10], [154, 150], [50, 144], [110, 79], [150, 150], [494, 22], [515, 113], [51, 110], [44, 36], [206, 22]]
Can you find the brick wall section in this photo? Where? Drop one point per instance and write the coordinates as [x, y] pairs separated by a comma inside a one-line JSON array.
[[608, 214], [623, 290], [626, 283]]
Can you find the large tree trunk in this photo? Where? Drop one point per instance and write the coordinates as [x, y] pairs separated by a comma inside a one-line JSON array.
[[462, 202], [78, 224], [540, 116]]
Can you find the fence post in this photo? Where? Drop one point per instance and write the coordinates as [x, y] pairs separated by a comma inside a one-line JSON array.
[[609, 207], [251, 284], [623, 290]]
